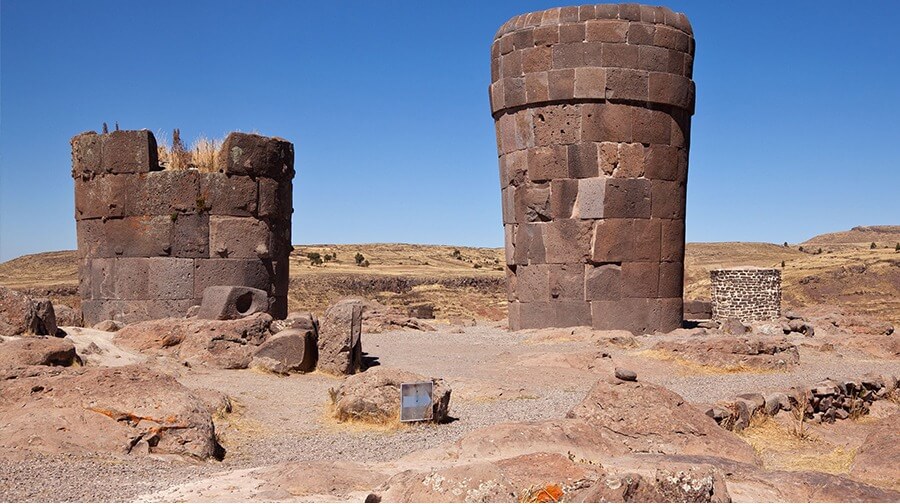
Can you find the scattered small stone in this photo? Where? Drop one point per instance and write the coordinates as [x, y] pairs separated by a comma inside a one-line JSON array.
[[109, 325], [626, 374], [734, 326]]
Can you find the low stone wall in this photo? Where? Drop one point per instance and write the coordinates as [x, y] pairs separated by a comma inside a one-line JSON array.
[[151, 240], [747, 294], [826, 401]]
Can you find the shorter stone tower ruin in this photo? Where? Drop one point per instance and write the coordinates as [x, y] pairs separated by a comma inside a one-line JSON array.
[[748, 294], [152, 239]]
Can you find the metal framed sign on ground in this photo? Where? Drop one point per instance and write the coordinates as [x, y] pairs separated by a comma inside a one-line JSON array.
[[416, 401]]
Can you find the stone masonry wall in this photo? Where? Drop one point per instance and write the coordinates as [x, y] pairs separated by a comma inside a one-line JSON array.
[[592, 107], [747, 294], [151, 240]]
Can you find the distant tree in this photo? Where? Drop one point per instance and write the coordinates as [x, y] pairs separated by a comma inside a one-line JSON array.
[[359, 258], [328, 257], [785, 244], [782, 264], [476, 266], [315, 258], [873, 246], [801, 248], [820, 250], [456, 254], [897, 248]]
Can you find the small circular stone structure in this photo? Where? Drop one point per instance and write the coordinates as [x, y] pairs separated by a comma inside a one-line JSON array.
[[152, 239], [592, 107], [748, 294]]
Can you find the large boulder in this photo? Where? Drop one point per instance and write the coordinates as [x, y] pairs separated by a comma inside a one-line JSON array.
[[224, 344], [291, 350], [647, 418], [374, 396], [15, 352], [340, 342], [20, 314], [128, 409], [45, 315]]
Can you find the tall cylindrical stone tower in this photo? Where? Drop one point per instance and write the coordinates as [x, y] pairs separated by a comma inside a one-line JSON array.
[[152, 239], [592, 107]]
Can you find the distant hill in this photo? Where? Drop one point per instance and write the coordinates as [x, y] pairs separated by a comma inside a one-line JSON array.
[[880, 235]]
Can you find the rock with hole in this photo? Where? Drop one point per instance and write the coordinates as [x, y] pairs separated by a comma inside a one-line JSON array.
[[229, 302]]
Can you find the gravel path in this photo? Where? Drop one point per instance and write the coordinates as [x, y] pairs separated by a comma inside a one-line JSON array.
[[496, 376]]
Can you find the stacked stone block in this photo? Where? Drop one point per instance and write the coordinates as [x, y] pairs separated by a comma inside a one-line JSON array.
[[592, 107], [747, 294], [151, 240]]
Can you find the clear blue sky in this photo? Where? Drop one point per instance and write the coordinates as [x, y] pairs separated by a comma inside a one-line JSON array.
[[797, 130]]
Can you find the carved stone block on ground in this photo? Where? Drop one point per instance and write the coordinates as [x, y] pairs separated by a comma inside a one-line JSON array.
[[290, 350], [340, 344]]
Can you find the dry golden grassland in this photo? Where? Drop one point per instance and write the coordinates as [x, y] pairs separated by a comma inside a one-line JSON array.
[[470, 282]]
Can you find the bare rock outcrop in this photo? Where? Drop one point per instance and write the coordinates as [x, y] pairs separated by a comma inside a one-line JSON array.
[[647, 418], [374, 396], [872, 462], [17, 352], [734, 351], [128, 409], [517, 479], [295, 481], [225, 344]]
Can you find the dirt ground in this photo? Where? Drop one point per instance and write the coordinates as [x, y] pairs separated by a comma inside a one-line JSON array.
[[496, 377]]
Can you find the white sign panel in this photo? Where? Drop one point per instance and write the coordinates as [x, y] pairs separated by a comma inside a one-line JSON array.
[[416, 401]]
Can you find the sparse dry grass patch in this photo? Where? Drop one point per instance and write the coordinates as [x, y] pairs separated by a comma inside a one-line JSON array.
[[240, 429], [780, 448], [334, 419], [201, 156]]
